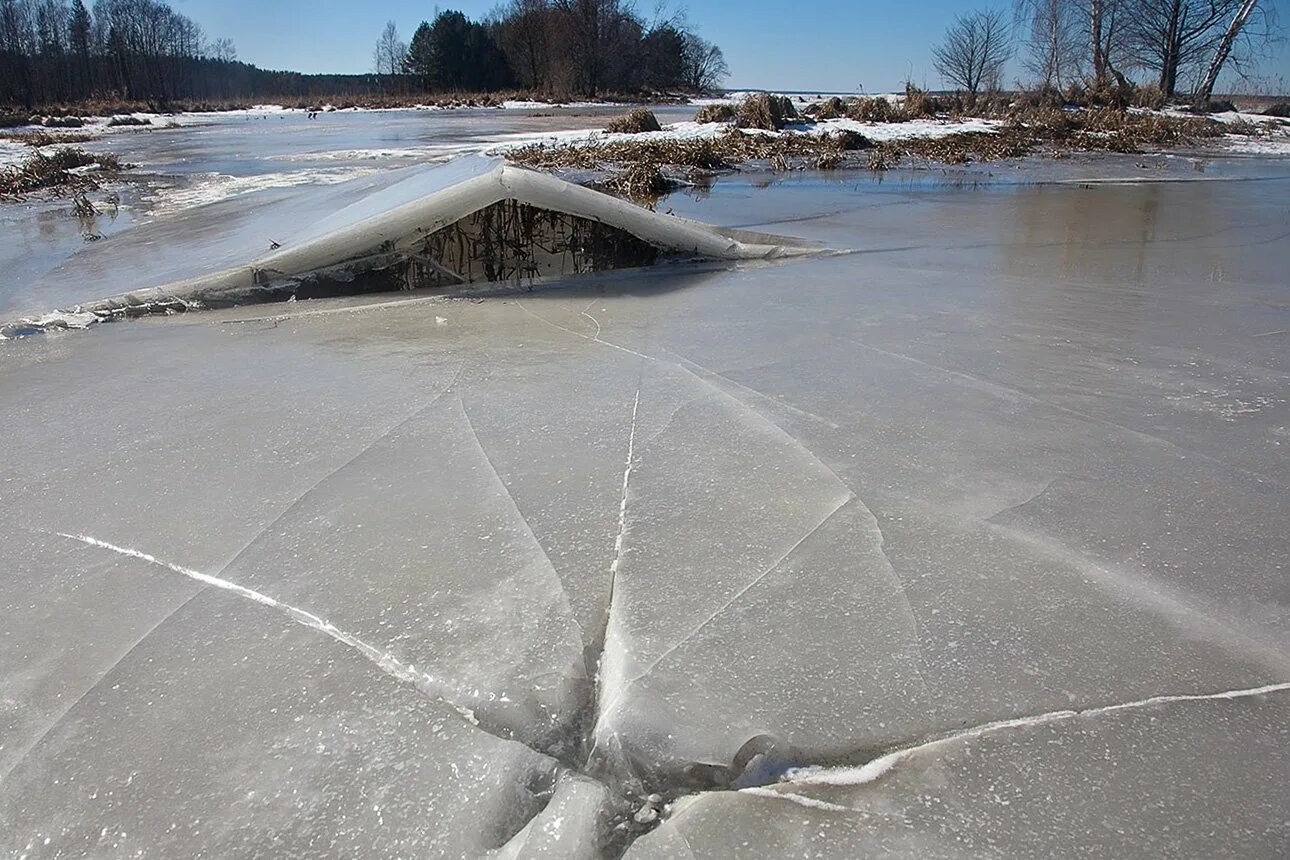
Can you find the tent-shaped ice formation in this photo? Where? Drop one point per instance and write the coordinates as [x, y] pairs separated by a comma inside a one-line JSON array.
[[474, 220]]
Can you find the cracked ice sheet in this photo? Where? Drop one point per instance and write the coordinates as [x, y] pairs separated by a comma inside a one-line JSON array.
[[247, 731], [454, 582], [1124, 783], [153, 468], [1004, 626], [1056, 601], [731, 525], [737, 540]]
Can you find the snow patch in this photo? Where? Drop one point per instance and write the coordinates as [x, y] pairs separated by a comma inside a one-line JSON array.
[[213, 187]]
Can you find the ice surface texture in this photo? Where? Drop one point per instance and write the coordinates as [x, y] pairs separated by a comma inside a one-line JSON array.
[[941, 552]]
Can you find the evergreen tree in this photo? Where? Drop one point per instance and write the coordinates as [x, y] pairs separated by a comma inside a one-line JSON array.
[[420, 58]]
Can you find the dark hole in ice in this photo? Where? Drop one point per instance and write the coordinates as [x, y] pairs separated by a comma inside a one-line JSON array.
[[508, 242]]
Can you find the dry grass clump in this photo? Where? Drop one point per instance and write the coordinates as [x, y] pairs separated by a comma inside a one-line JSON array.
[[765, 111], [1280, 109], [1217, 106], [641, 181], [117, 121], [37, 139], [831, 108], [874, 110], [55, 170], [13, 120], [637, 167], [1107, 129], [962, 147], [851, 141], [919, 105], [715, 113], [634, 121]]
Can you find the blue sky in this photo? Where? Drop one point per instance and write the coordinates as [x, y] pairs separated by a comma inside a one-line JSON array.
[[799, 45]]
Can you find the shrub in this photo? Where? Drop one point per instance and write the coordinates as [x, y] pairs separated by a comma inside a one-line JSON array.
[[831, 108], [918, 103], [1118, 94], [63, 122], [874, 110], [765, 111], [12, 120], [634, 122], [715, 113], [1150, 97], [1281, 109], [849, 141], [1042, 97], [127, 120], [1218, 106], [640, 181], [37, 139]]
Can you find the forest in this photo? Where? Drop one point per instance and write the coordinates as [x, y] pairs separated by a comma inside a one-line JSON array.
[[62, 52]]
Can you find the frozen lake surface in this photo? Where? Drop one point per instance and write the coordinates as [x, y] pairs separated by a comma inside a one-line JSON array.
[[969, 542]]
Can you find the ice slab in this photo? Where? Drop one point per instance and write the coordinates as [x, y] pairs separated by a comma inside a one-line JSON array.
[[402, 225]]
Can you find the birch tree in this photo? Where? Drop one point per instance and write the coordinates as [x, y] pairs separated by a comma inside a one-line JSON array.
[[1224, 50], [390, 51]]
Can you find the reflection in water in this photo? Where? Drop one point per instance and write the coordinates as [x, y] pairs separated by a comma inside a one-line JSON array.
[[1119, 234]]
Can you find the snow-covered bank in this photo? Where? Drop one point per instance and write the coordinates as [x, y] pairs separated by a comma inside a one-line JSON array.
[[888, 131]]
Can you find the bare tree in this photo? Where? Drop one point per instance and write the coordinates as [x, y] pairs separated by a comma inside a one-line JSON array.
[[222, 49], [1224, 49], [525, 38], [1174, 37], [390, 51], [974, 50], [1055, 40], [705, 65], [603, 37]]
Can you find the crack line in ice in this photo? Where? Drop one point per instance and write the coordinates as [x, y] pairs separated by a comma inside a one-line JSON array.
[[850, 497], [564, 592], [877, 768], [915, 633], [1048, 485], [1198, 622], [254, 538], [799, 799], [596, 336], [386, 662], [1010, 393], [682, 362], [622, 505], [681, 365], [384, 434], [715, 387], [57, 720], [606, 635], [595, 339]]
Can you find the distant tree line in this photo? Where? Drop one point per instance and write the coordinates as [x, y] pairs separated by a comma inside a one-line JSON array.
[[555, 47], [56, 50], [62, 51], [1177, 46]]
